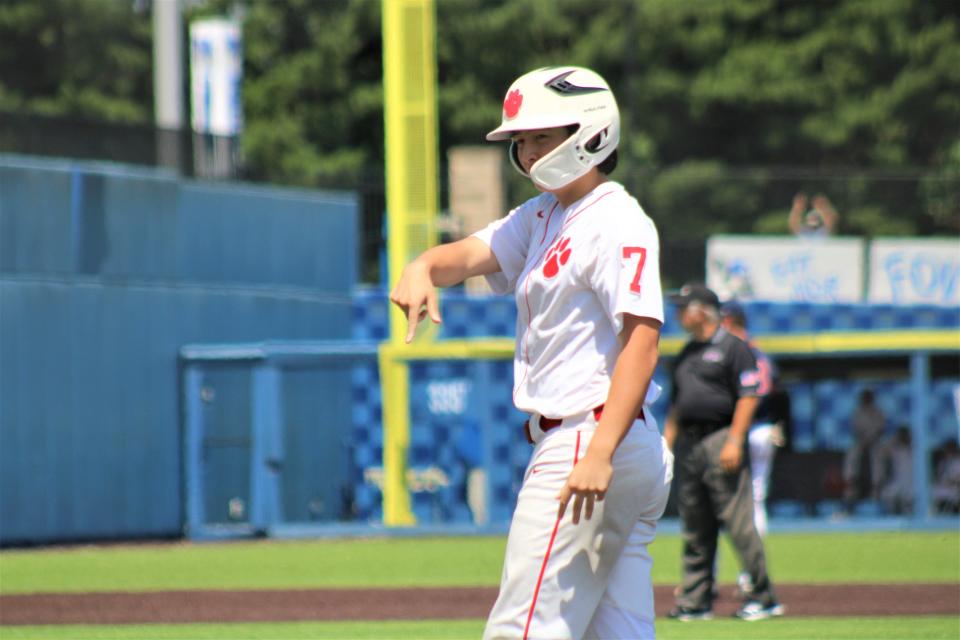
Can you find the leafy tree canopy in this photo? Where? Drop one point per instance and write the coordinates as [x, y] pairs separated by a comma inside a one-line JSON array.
[[85, 58], [729, 106]]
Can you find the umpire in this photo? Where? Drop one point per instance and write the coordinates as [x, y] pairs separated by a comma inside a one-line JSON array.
[[714, 396]]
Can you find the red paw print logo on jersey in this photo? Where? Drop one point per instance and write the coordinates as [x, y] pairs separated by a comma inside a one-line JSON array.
[[511, 104], [557, 256]]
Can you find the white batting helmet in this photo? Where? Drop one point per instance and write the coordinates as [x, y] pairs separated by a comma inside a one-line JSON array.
[[560, 97]]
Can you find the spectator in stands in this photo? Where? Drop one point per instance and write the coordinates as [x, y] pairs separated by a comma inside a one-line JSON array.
[[895, 457], [946, 482], [818, 221], [860, 465]]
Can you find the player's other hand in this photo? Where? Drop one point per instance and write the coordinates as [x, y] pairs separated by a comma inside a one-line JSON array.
[[587, 484], [416, 296]]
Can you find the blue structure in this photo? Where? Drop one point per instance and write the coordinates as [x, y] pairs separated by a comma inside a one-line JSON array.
[[267, 434], [105, 272], [462, 414], [822, 401], [187, 358]]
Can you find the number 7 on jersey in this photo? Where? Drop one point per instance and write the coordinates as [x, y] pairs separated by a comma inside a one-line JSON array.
[[641, 253]]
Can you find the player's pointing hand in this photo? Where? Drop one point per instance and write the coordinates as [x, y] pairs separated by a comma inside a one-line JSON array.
[[416, 296]]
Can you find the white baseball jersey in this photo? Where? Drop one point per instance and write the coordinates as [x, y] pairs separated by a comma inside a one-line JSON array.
[[575, 272]]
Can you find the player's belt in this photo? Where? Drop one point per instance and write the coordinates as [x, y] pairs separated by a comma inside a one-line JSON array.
[[546, 424]]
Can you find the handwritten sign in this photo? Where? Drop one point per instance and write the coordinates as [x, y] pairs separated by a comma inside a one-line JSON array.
[[915, 271], [785, 268]]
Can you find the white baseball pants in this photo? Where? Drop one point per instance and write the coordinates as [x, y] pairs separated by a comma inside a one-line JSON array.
[[762, 452], [590, 580]]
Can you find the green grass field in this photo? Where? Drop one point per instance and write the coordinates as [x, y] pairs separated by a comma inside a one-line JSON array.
[[912, 628], [473, 561], [794, 558]]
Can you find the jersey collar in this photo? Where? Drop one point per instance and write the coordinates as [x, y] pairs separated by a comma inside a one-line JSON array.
[[601, 189]]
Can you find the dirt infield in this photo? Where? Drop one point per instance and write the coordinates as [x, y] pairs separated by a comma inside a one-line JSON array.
[[420, 604]]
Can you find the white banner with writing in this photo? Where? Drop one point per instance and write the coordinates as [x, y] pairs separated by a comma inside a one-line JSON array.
[[915, 271], [786, 268]]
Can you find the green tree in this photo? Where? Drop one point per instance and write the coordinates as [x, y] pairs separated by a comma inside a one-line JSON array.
[[313, 95], [80, 58], [729, 106]]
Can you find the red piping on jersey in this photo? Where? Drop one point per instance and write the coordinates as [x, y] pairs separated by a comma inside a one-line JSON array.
[[546, 558], [546, 225], [526, 341], [526, 288], [566, 223], [526, 352]]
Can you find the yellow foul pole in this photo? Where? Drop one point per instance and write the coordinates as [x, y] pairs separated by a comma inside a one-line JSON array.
[[410, 113]]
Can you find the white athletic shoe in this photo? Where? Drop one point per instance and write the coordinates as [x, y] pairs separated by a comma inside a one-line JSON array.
[[753, 611]]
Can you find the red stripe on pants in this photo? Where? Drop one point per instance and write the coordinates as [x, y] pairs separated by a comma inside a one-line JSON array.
[[546, 558]]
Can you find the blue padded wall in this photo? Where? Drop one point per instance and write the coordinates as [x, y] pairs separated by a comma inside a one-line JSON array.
[[770, 317], [32, 243], [366, 441], [259, 235], [130, 224], [316, 481], [90, 443], [821, 408], [105, 272], [462, 416]]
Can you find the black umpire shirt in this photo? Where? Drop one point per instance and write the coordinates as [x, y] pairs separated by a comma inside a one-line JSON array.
[[708, 379]]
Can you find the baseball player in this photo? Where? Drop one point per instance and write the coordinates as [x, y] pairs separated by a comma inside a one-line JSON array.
[[582, 260], [766, 433]]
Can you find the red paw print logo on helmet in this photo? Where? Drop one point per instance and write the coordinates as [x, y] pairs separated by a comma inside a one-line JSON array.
[[557, 256], [511, 104]]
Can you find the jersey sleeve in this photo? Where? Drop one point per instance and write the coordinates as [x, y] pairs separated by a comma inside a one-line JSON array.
[[747, 378], [767, 372], [509, 239], [625, 272]]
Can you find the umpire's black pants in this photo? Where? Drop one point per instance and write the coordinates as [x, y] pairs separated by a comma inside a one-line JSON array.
[[709, 498]]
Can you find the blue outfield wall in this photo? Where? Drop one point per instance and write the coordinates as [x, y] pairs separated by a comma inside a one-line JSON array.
[[462, 418], [116, 222], [460, 410], [105, 272], [132, 403]]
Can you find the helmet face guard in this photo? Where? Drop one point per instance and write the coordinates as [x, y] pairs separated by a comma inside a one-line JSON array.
[[562, 97]]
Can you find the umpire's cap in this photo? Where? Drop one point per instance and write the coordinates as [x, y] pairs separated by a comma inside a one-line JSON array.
[[695, 292]]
